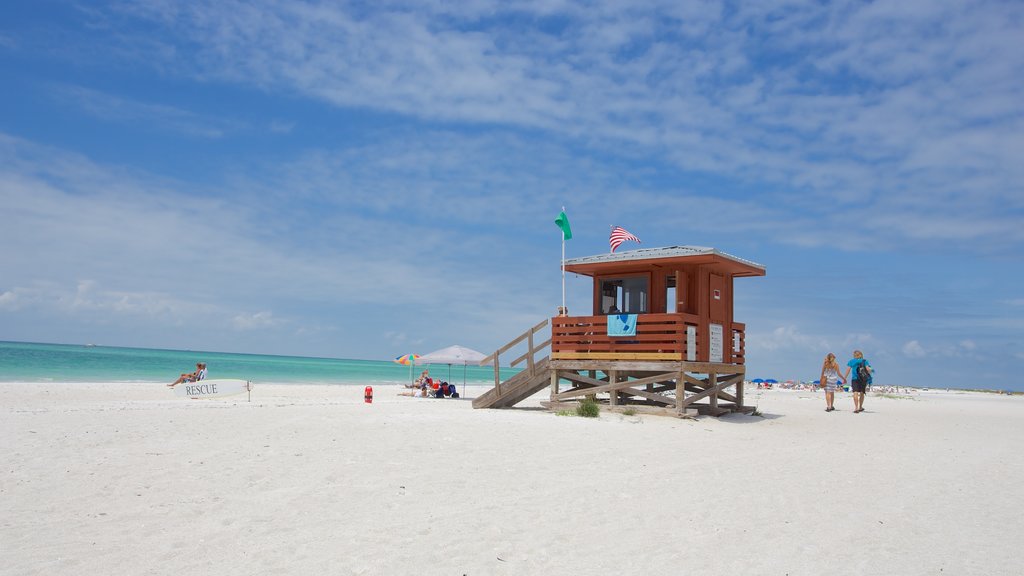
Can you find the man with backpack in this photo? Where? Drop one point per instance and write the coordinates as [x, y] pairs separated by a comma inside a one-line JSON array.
[[862, 370]]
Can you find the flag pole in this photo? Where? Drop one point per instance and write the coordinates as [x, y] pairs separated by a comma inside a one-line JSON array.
[[562, 311]]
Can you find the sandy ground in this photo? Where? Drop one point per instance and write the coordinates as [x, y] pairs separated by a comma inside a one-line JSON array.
[[128, 479]]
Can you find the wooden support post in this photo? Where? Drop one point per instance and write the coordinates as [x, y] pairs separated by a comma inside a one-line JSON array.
[[712, 384], [613, 395], [529, 355], [554, 384], [497, 373], [739, 393], [680, 391]]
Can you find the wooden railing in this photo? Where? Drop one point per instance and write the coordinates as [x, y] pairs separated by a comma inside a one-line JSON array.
[[658, 337], [738, 343], [532, 349]]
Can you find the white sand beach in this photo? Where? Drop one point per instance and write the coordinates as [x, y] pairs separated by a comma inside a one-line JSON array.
[[129, 479]]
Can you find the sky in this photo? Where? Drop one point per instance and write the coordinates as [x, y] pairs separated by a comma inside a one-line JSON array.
[[366, 179]]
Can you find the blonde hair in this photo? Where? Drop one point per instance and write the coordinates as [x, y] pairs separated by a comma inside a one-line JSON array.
[[830, 362], [858, 354]]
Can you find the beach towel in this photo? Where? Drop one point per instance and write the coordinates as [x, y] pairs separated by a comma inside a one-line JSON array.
[[622, 324]]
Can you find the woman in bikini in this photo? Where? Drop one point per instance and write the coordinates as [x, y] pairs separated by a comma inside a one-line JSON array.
[[196, 376]]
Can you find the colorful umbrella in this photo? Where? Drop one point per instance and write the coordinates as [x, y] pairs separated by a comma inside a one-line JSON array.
[[407, 360]]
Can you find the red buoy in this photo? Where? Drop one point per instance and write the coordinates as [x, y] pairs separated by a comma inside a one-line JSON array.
[[368, 395]]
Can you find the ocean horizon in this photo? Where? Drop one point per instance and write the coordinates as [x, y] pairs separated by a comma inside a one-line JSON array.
[[47, 362]]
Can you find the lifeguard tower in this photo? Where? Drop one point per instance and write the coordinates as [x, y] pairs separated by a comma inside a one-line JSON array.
[[661, 338]]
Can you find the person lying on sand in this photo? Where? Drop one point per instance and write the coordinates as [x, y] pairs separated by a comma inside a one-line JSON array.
[[415, 393]]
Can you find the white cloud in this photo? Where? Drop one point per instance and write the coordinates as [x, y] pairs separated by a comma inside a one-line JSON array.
[[961, 349], [85, 243], [903, 112], [913, 349], [786, 338], [9, 300], [127, 111], [255, 321]]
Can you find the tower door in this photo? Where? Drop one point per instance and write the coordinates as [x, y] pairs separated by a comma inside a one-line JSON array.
[[718, 299]]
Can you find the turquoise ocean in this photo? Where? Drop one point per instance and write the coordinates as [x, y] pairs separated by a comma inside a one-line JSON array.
[[32, 362]]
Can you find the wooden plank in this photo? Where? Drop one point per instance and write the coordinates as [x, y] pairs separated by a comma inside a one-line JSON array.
[[704, 394], [624, 389], [497, 374], [645, 366], [691, 380], [526, 354], [612, 382], [659, 398], [652, 410], [651, 379], [580, 378], [615, 356], [613, 385], [713, 383], [680, 389], [529, 354]]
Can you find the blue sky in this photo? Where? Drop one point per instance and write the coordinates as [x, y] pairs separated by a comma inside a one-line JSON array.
[[361, 180]]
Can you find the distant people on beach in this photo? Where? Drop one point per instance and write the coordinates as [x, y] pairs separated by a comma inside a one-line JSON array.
[[861, 378], [196, 376], [421, 380], [829, 379], [426, 387]]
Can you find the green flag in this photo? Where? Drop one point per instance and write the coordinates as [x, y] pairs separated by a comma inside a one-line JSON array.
[[563, 222]]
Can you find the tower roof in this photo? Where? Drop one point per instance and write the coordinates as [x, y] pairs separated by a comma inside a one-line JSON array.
[[669, 255]]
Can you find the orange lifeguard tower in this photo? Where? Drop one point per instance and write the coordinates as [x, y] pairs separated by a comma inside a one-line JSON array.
[[661, 337]]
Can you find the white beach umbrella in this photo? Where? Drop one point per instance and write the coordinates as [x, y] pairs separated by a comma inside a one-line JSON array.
[[453, 355]]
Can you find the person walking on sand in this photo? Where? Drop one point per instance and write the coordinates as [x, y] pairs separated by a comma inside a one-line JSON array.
[[829, 378], [861, 378]]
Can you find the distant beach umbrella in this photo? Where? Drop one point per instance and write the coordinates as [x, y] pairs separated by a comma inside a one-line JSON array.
[[758, 381], [453, 355], [407, 360], [771, 381]]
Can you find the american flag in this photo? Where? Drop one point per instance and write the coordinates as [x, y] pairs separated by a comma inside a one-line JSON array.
[[619, 235]]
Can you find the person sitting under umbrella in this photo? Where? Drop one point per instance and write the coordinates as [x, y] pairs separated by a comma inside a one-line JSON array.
[[422, 382]]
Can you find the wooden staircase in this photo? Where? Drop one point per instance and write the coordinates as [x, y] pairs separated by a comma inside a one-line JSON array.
[[532, 379], [516, 389]]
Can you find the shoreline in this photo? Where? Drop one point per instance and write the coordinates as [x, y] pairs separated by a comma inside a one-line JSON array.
[[310, 479]]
